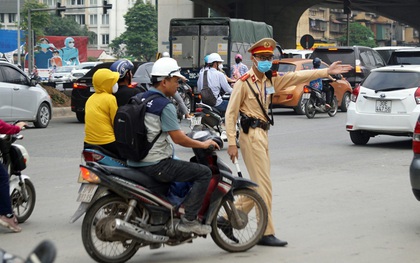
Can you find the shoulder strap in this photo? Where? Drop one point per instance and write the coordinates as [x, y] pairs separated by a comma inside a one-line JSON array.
[[259, 102], [205, 81]]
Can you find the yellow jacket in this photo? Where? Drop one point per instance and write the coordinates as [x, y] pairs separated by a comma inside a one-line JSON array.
[[100, 109]]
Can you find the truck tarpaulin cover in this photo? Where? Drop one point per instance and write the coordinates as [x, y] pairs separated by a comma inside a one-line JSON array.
[[243, 31]]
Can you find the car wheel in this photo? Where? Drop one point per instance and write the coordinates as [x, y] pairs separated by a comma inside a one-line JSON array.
[[80, 115], [300, 108], [345, 102], [359, 137], [43, 116]]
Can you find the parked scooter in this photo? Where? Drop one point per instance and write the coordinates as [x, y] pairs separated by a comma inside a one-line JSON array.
[[45, 252], [14, 158], [127, 210], [316, 100]]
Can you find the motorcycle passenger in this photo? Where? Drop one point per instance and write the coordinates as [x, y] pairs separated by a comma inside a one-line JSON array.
[[317, 84], [159, 162], [124, 67], [100, 111], [216, 81], [7, 218]]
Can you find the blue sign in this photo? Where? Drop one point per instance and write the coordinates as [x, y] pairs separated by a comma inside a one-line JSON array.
[[8, 40]]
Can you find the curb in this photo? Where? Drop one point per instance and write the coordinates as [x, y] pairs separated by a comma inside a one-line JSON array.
[[62, 112]]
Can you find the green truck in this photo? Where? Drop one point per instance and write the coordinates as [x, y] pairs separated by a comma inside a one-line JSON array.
[[191, 39]]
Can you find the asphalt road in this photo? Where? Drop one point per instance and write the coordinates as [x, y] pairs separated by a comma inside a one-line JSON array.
[[333, 201]]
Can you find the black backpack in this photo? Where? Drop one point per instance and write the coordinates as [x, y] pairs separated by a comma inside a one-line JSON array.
[[130, 130]]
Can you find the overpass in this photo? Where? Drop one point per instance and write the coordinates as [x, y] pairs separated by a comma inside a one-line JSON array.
[[284, 15]]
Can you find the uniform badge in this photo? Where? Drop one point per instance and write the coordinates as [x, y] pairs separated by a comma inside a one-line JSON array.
[[253, 78]]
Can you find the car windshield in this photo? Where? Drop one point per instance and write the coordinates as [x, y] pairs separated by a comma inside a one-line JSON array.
[[391, 80], [286, 67], [405, 58], [64, 69], [345, 56]]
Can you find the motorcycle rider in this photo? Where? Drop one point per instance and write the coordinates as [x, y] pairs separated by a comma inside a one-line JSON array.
[[317, 84], [125, 92], [216, 81], [159, 162], [7, 218], [100, 110]]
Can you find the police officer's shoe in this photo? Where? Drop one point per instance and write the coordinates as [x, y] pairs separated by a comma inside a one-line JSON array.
[[226, 228], [272, 241]]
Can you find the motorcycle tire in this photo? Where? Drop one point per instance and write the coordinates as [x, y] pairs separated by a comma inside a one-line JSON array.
[[21, 208], [110, 206], [334, 108], [230, 236], [310, 110]]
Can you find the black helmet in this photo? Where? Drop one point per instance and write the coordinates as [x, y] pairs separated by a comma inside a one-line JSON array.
[[316, 62]]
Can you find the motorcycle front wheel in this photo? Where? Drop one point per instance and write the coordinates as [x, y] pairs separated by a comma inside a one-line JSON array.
[[334, 108], [310, 110], [232, 236], [23, 208], [101, 250]]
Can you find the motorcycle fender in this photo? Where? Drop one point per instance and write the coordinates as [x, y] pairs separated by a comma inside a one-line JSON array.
[[83, 207], [14, 182], [244, 183]]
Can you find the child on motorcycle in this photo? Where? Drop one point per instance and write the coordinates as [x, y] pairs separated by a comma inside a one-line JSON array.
[[317, 84]]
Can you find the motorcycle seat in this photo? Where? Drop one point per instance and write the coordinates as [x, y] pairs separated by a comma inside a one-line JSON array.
[[138, 177]]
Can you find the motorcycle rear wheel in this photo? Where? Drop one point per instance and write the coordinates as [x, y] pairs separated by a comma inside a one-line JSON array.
[[310, 110], [334, 108], [104, 251], [255, 222], [21, 208]]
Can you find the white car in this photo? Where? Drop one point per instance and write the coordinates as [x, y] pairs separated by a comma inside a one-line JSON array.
[[62, 74], [82, 69], [22, 98], [297, 53], [386, 102]]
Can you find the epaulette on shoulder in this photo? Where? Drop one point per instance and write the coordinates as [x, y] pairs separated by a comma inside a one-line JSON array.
[[245, 77]]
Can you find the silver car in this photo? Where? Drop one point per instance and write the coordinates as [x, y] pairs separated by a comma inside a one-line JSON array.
[[22, 98]]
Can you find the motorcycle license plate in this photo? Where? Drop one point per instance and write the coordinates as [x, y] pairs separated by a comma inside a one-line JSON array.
[[86, 192], [195, 121], [306, 95]]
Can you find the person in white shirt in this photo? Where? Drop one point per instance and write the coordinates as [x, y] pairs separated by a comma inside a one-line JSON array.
[[216, 81]]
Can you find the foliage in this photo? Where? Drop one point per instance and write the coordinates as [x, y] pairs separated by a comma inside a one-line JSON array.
[[66, 26], [39, 19], [140, 38], [359, 35]]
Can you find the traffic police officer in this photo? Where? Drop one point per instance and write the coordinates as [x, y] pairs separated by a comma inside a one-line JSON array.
[[254, 143]]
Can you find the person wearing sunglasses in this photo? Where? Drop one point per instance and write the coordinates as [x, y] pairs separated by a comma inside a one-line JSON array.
[[69, 53], [251, 97]]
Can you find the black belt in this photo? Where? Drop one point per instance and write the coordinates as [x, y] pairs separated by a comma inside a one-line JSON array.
[[257, 123]]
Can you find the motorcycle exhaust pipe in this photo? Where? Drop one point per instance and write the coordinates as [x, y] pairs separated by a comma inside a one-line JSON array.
[[121, 227]]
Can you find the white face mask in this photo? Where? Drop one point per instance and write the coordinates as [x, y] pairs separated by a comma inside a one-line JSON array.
[[115, 88], [220, 66], [71, 45]]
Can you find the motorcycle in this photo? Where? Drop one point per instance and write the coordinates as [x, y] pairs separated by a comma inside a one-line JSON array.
[[210, 118], [45, 252], [14, 158], [185, 92], [126, 210], [316, 100]]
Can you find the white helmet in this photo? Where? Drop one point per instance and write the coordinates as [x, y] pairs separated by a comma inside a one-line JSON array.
[[214, 57], [166, 67], [165, 55]]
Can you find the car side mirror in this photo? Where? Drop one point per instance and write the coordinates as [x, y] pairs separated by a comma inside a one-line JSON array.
[[33, 82]]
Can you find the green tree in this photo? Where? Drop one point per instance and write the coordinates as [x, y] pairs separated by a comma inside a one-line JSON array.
[[140, 38], [359, 35], [40, 20], [66, 26]]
